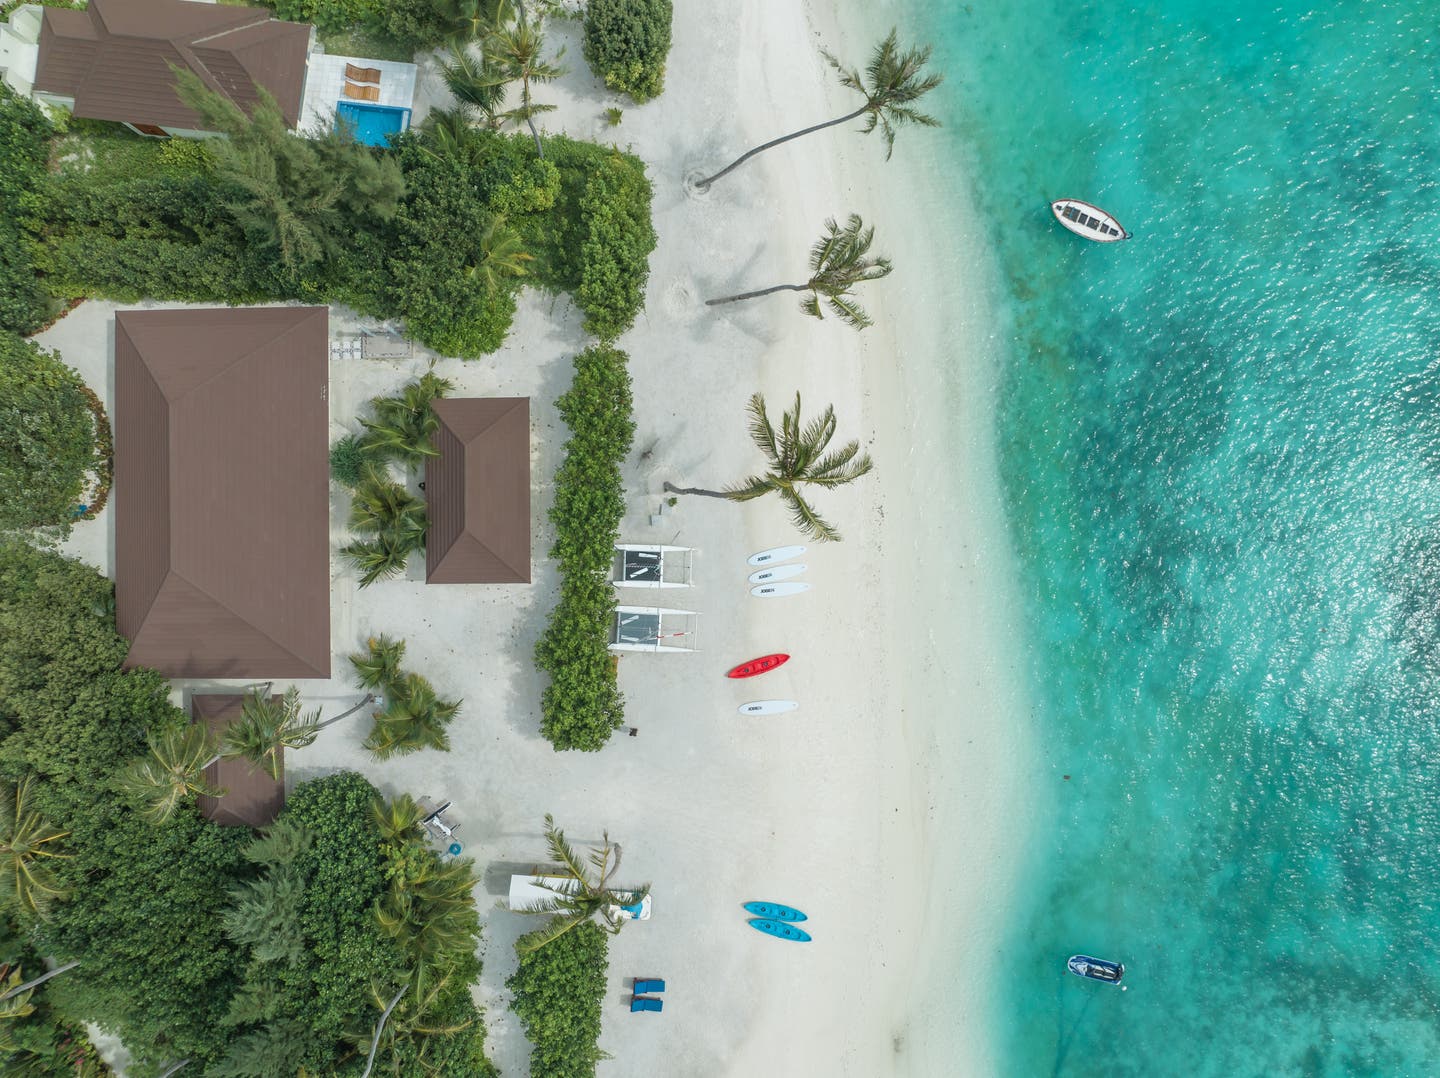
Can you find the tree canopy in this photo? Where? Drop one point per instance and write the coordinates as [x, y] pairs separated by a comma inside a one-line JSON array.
[[47, 437]]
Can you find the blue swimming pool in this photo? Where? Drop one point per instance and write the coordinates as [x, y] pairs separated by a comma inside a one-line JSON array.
[[372, 124]]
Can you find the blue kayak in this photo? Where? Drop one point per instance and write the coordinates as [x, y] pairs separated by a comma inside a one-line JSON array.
[[774, 911], [779, 928]]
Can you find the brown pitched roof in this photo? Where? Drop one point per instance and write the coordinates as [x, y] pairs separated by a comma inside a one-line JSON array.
[[252, 798], [477, 493], [222, 506], [114, 58]]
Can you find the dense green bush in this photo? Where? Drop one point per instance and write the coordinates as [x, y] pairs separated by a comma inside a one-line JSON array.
[[626, 43], [559, 990], [582, 705], [47, 437], [133, 222], [346, 460], [615, 251], [147, 907], [24, 145]]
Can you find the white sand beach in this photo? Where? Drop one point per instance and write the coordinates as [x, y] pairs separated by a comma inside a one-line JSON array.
[[886, 806]]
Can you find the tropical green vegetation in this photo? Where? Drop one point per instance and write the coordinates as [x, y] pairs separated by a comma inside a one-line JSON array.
[[346, 461], [796, 456], [582, 705], [840, 261], [626, 43], [415, 716], [392, 522], [178, 953], [893, 81], [35, 1040], [24, 146], [47, 438], [402, 428], [558, 991], [480, 216], [586, 897]]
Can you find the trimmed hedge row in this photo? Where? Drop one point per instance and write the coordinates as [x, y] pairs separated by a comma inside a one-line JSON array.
[[558, 991], [582, 706]]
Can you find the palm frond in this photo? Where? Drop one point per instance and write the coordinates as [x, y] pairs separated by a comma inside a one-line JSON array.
[[849, 312], [807, 520], [761, 431]]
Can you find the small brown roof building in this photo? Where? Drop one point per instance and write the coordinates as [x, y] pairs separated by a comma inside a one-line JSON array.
[[114, 58], [252, 798], [477, 492], [222, 496]]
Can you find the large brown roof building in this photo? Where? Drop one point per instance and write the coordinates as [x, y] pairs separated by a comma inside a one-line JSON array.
[[114, 59], [222, 507], [477, 492]]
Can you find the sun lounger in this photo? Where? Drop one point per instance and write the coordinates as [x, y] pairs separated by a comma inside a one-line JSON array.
[[644, 988], [362, 93], [645, 1003], [362, 74]]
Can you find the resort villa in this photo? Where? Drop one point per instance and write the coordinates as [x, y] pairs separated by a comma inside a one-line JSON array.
[[222, 497], [114, 60], [477, 493]]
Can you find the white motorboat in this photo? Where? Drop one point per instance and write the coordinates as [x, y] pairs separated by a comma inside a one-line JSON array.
[[1089, 221]]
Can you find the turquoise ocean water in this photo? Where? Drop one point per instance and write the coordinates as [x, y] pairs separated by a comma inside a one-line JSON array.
[[1220, 446]]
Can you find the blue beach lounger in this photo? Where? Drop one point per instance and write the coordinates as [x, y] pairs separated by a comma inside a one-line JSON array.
[[644, 988], [645, 1003]]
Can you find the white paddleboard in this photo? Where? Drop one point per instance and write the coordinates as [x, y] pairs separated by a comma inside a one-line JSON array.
[[767, 707], [775, 591], [780, 572], [779, 553]]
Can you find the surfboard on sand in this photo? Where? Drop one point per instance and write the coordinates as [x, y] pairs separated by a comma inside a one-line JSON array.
[[775, 591], [779, 928], [776, 554], [767, 707], [775, 911], [780, 572]]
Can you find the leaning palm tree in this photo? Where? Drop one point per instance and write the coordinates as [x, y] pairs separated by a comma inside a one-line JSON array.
[[474, 83], [893, 81], [797, 457], [839, 261], [172, 771], [585, 893], [267, 727], [512, 52], [27, 841]]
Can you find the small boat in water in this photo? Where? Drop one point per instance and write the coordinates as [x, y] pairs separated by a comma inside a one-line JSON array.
[[1096, 969], [1089, 221]]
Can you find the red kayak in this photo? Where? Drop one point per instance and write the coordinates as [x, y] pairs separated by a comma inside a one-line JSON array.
[[759, 666]]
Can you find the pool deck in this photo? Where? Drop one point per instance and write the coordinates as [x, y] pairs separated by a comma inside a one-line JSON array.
[[325, 87]]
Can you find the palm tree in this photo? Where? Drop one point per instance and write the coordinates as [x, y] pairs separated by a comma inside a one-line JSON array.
[[26, 842], [839, 261], [172, 772], [501, 256], [415, 717], [381, 666], [796, 457], [395, 520], [475, 83], [892, 83], [267, 727], [585, 895], [404, 425], [512, 51]]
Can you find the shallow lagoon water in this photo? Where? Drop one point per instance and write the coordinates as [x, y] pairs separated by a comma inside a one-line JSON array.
[[1220, 445]]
